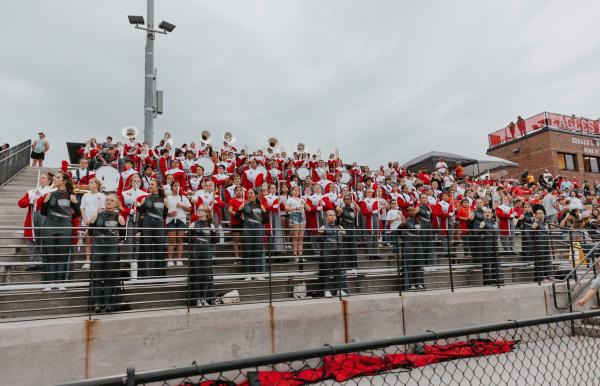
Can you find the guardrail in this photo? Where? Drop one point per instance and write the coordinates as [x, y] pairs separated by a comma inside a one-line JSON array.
[[148, 269], [13, 160], [554, 350]]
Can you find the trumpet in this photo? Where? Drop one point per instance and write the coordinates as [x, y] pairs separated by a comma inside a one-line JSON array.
[[205, 136], [272, 143], [228, 137], [300, 147]]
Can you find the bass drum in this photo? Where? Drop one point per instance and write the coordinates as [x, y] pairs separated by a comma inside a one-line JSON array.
[[109, 177], [346, 177], [207, 164], [302, 173]]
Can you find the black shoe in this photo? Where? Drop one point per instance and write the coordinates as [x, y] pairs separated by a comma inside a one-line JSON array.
[[33, 268]]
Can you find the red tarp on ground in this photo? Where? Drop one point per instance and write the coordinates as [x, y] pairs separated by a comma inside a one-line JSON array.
[[342, 367]]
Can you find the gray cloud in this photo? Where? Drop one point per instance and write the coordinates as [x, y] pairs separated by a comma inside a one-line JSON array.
[[380, 80]]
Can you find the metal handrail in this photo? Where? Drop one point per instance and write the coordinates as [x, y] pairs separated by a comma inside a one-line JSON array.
[[10, 169], [567, 277]]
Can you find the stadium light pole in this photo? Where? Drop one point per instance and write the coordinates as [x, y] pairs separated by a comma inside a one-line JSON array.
[[152, 97]]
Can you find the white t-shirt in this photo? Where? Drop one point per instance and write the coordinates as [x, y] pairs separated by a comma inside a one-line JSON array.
[[394, 218], [91, 203], [295, 203], [171, 202]]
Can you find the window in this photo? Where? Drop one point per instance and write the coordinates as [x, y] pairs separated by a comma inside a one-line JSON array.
[[590, 164], [567, 161]]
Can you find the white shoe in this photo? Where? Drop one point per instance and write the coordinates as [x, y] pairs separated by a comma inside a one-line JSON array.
[[62, 288], [85, 266], [47, 289], [259, 277], [248, 278], [328, 294], [179, 263], [170, 263], [413, 288], [353, 271], [343, 293]]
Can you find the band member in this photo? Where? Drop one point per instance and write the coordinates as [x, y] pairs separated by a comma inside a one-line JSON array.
[[91, 202], [59, 207], [425, 219], [235, 218], [163, 164], [126, 174], [209, 197], [34, 219], [130, 199], [252, 178], [346, 211], [152, 216], [177, 208], [295, 206], [369, 207], [82, 175], [314, 216], [147, 176], [463, 215], [331, 266], [505, 214], [204, 237], [252, 236], [271, 203], [274, 175], [131, 150], [105, 273], [167, 184], [177, 173], [443, 210]]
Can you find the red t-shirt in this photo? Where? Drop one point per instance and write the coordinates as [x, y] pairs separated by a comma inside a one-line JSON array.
[[235, 204]]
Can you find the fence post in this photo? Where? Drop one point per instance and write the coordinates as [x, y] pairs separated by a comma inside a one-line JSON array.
[[130, 380], [397, 253], [338, 263], [496, 258], [449, 260], [189, 270]]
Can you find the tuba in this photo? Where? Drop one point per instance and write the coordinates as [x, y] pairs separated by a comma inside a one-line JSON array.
[[205, 136], [300, 147], [129, 132], [228, 137], [272, 143]]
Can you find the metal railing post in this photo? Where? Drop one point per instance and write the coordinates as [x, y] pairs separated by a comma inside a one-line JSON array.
[[448, 251], [130, 380], [270, 246], [397, 253], [338, 263], [189, 270], [496, 258], [571, 250], [92, 299]]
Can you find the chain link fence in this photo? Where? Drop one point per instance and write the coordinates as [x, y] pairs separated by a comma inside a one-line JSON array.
[[556, 350]]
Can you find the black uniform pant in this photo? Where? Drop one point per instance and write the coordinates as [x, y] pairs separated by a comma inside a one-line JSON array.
[[152, 262], [413, 263], [332, 274], [57, 247], [348, 247], [105, 273], [252, 250], [201, 271]]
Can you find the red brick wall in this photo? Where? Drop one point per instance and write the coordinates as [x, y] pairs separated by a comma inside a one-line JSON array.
[[538, 151]]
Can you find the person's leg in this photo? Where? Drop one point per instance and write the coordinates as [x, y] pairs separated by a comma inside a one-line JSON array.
[[159, 261], [236, 242], [50, 256], [111, 277], [171, 238], [179, 244], [300, 241], [97, 275]]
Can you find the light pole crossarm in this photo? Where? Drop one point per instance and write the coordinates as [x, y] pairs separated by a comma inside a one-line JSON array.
[[151, 30]]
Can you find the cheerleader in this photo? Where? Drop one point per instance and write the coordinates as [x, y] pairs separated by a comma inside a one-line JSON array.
[[271, 203], [177, 208], [91, 203], [59, 207], [296, 207], [105, 273], [152, 215]]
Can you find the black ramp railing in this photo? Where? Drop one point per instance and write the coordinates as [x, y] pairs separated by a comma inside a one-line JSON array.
[[554, 350], [13, 160]]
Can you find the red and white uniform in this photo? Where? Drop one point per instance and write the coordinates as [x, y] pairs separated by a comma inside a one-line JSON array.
[[314, 201], [271, 204], [82, 176], [404, 201], [128, 198], [220, 180], [32, 200], [329, 201], [178, 176], [252, 178], [504, 213], [230, 192], [274, 175], [193, 183], [369, 206], [146, 181], [131, 150], [443, 210], [125, 180], [203, 197]]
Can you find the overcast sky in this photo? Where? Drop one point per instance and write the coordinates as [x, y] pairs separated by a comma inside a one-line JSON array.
[[379, 79]]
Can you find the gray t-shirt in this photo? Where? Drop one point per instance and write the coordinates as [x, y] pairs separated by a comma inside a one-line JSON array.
[[549, 203]]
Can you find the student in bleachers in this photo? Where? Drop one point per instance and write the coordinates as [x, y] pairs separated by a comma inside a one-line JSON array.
[[178, 206]]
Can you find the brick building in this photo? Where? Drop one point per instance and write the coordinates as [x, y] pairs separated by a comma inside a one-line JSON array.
[[565, 145]]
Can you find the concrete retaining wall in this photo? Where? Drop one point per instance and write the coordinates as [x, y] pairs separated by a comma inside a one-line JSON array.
[[46, 352]]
